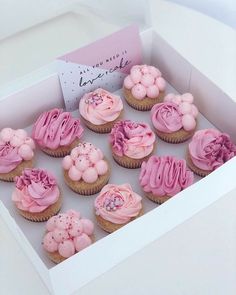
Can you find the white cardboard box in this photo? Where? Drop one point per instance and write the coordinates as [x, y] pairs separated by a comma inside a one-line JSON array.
[[45, 93]]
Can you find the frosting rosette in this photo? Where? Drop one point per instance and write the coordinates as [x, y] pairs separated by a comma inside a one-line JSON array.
[[209, 149], [118, 203], [134, 140], [35, 190], [165, 176], [100, 107]]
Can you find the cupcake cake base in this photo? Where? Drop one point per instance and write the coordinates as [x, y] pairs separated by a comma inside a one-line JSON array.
[[60, 151], [194, 168], [17, 171], [157, 199], [175, 137]]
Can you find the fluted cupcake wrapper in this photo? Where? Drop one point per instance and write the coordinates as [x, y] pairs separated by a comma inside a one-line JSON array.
[[61, 151], [9, 177], [194, 168], [175, 137], [157, 199]]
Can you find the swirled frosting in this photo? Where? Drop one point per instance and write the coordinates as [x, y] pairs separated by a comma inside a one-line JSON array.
[[176, 112], [144, 81], [165, 176], [118, 203], [15, 147], [100, 106], [85, 162], [67, 233], [35, 190], [56, 128], [209, 149], [134, 140]]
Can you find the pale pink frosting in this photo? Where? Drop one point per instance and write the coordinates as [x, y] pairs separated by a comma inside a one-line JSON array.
[[210, 148], [118, 203], [35, 190], [144, 81], [68, 233], [100, 106], [15, 147], [85, 162], [165, 176], [56, 128], [176, 112], [134, 140]]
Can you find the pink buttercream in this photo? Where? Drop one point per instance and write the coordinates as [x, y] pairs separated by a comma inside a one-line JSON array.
[[56, 128], [100, 106], [134, 140], [35, 190], [68, 233], [118, 203], [165, 176], [144, 81], [210, 148]]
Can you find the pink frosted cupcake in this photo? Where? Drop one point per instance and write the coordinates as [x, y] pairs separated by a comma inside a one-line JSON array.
[[175, 119], [144, 87], [208, 150], [100, 109], [163, 177], [67, 234], [57, 133], [86, 170], [117, 205], [16, 153], [131, 143]]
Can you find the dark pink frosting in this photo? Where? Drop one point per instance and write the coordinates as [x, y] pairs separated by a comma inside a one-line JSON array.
[[165, 176], [9, 158]]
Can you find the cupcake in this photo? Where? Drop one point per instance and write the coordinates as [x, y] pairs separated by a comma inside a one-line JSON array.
[[100, 109], [208, 150], [117, 205], [163, 177], [131, 143], [144, 87], [36, 195], [86, 170], [174, 120], [57, 133], [16, 153], [67, 234]]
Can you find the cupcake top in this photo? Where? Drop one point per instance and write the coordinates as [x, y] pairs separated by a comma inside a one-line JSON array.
[[85, 162], [67, 233], [15, 147], [118, 203], [131, 139], [176, 112], [165, 176], [35, 190], [100, 106], [210, 148], [56, 128], [144, 81]]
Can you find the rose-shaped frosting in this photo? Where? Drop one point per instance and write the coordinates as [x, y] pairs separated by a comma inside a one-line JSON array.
[[15, 147], [144, 81], [118, 203], [85, 162], [100, 107], [56, 128], [176, 112], [35, 190], [67, 233], [210, 148], [165, 176], [134, 140]]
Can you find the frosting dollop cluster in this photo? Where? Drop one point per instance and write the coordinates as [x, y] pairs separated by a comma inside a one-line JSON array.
[[176, 112], [209, 149], [68, 233], [15, 146], [56, 128], [165, 176], [85, 162], [35, 190], [134, 140], [144, 81], [118, 203], [100, 106]]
